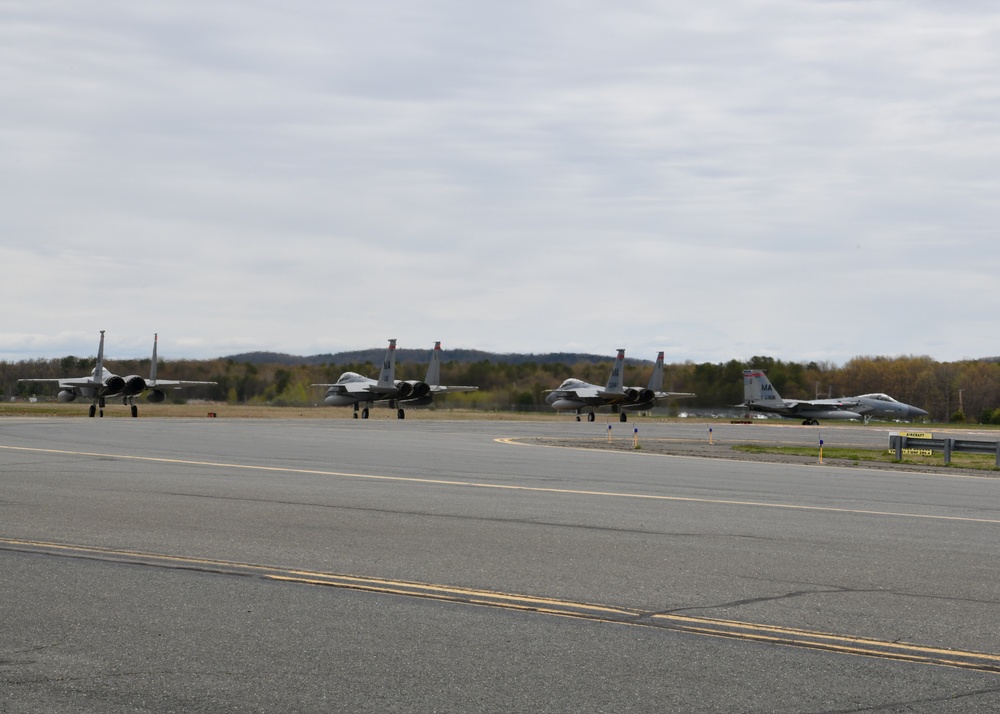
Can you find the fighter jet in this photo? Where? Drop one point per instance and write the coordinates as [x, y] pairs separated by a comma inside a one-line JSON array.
[[582, 396], [354, 389], [101, 384], [759, 395]]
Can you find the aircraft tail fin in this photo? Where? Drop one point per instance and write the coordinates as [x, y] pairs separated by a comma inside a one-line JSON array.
[[152, 367], [387, 377], [615, 381], [757, 388], [656, 379], [434, 368], [99, 367]]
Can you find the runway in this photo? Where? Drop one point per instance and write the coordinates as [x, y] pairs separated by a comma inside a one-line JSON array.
[[380, 565]]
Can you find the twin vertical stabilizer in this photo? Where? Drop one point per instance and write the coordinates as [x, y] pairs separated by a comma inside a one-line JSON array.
[[434, 368], [387, 377], [615, 381], [656, 379], [152, 367], [99, 367]]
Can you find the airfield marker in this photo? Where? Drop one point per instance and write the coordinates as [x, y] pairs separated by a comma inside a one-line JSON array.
[[821, 451], [635, 437], [709, 435], [609, 433]]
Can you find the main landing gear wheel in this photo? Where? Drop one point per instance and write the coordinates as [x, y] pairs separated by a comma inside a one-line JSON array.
[[135, 411], [93, 410], [364, 413], [591, 416], [400, 414], [578, 417], [623, 417]]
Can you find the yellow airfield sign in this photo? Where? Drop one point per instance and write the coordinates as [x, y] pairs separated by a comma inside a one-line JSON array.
[[916, 435]]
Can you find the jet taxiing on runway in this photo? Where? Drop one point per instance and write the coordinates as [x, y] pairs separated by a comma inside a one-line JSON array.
[[759, 395], [101, 384], [354, 389], [582, 396]]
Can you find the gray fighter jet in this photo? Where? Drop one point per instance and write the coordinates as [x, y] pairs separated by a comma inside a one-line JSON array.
[[585, 397], [353, 389], [759, 395], [101, 384]]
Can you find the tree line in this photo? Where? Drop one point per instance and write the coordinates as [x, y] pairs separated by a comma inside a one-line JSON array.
[[958, 391]]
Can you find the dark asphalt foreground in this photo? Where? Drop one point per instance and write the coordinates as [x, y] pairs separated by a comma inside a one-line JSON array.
[[260, 566]]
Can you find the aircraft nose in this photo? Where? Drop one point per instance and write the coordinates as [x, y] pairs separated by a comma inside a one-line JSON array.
[[915, 412]]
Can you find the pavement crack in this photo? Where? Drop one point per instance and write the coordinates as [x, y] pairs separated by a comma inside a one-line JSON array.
[[765, 598]]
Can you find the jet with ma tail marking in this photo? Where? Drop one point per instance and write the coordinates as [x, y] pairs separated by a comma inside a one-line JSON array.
[[353, 389], [759, 395], [585, 397]]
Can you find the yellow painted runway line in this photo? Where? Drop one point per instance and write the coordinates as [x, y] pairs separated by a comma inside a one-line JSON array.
[[703, 626], [509, 487]]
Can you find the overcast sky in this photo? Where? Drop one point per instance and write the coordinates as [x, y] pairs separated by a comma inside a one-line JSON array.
[[809, 180]]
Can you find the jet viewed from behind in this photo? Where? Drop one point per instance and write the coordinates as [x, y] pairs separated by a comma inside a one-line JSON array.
[[355, 389], [101, 384], [759, 395], [582, 396]]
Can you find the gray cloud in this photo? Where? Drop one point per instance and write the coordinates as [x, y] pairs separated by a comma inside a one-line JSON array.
[[790, 178]]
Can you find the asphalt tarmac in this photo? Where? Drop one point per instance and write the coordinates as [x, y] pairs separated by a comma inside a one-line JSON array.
[[457, 566]]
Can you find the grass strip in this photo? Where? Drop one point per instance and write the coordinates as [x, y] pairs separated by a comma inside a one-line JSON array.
[[985, 462]]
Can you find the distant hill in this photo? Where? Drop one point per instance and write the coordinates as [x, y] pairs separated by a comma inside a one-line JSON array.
[[376, 354]]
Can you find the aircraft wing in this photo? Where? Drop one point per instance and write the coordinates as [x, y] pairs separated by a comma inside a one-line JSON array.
[[674, 395], [447, 388], [174, 383], [820, 409], [806, 406], [67, 381], [793, 406], [592, 393], [357, 388]]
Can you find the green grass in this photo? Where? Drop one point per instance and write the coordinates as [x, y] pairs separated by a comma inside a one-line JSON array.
[[986, 462]]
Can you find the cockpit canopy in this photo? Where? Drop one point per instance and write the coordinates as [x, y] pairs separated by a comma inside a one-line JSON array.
[[571, 384], [878, 396], [350, 377]]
